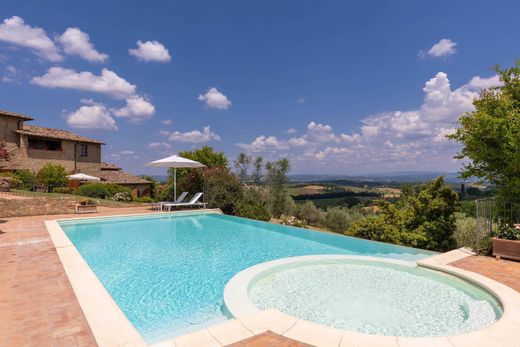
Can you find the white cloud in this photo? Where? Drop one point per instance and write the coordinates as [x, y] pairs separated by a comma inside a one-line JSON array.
[[412, 139], [215, 99], [291, 131], [137, 109], [297, 142], [150, 51], [95, 116], [10, 74], [107, 83], [443, 48], [194, 136], [166, 122], [478, 82], [301, 100], [126, 152], [76, 42], [159, 145], [264, 144], [14, 31]]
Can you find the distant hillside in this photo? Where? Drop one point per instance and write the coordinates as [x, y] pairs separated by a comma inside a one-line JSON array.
[[395, 177]]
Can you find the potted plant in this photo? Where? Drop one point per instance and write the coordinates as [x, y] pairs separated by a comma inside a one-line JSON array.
[[86, 206], [506, 244]]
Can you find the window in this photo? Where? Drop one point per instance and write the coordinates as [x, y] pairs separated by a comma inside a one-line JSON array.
[[46, 145], [83, 150]]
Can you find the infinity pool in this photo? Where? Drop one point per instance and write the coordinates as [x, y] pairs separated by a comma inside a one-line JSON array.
[[167, 272]]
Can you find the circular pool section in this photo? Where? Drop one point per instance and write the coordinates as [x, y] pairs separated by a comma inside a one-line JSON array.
[[374, 297]]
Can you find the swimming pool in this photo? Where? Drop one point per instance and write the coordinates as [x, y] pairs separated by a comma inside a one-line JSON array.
[[373, 297], [167, 272]]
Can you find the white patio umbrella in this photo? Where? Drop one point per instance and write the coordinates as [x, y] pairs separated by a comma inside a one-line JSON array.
[[83, 177], [175, 162]]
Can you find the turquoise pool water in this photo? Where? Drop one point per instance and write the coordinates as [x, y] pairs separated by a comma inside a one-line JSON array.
[[382, 299], [167, 272]]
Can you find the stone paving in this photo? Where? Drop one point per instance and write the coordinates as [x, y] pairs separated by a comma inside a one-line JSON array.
[[39, 308]]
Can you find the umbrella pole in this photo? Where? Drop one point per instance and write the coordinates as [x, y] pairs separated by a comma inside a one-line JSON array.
[[174, 183]]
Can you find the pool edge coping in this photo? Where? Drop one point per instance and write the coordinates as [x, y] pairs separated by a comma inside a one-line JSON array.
[[91, 294], [108, 323], [500, 333]]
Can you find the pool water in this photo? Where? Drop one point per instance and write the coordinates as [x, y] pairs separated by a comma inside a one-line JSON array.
[[376, 298], [167, 272]]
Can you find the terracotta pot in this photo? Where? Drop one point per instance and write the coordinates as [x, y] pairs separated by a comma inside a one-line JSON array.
[[507, 249], [86, 208]]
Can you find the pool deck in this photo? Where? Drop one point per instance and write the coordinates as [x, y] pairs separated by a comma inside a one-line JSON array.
[[38, 306]]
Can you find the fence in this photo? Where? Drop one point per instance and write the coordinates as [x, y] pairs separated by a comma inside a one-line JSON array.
[[492, 214]]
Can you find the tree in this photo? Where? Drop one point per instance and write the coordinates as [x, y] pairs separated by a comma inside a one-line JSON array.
[[309, 213], [276, 180], [253, 205], [195, 182], [490, 135], [257, 174], [207, 156], [423, 219], [223, 189], [52, 176], [242, 166]]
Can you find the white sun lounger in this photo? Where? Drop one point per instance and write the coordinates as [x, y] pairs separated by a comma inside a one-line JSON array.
[[159, 205], [193, 202]]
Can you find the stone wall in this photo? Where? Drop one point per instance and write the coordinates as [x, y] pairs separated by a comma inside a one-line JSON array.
[[35, 207], [34, 159]]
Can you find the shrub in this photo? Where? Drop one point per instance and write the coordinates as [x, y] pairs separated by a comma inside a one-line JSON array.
[[101, 191], [93, 190], [14, 181], [423, 218], [28, 179], [88, 202], [507, 232], [466, 234], [144, 199], [52, 176], [122, 197]]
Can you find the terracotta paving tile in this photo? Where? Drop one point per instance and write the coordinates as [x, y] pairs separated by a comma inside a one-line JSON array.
[[503, 271], [268, 339], [38, 307]]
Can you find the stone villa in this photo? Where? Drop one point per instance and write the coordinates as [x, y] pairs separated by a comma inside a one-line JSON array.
[[31, 147]]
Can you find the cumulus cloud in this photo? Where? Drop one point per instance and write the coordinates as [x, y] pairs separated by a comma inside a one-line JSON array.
[[95, 116], [76, 42], [108, 82], [441, 49], [150, 51], [193, 136], [264, 144], [291, 131], [166, 122], [395, 140], [15, 31], [137, 109], [159, 145], [215, 99]]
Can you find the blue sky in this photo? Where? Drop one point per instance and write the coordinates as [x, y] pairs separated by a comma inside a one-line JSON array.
[[337, 87]]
